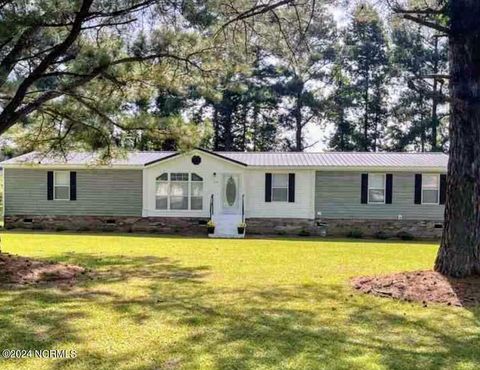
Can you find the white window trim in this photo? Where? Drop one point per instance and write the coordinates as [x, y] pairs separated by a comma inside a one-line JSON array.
[[438, 188], [288, 187], [189, 193], [384, 188], [55, 186]]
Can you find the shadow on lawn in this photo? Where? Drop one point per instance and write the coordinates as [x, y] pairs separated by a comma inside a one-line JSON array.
[[263, 328], [114, 268], [238, 328]]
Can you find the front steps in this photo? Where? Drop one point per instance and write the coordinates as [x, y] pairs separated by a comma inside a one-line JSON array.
[[226, 226]]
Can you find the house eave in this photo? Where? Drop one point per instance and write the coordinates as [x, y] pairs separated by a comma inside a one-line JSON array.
[[356, 168], [204, 151], [71, 166]]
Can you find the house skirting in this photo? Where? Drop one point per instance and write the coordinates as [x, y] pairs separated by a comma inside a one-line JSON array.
[[421, 229], [255, 226], [126, 224]]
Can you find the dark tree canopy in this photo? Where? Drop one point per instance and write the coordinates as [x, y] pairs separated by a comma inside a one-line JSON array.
[[74, 71]]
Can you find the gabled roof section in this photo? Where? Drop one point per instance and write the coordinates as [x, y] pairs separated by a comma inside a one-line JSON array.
[[209, 152], [327, 160]]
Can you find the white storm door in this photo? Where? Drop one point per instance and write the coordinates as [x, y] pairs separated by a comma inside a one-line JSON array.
[[230, 193]]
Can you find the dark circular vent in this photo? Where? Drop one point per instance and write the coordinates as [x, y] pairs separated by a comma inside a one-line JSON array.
[[196, 160]]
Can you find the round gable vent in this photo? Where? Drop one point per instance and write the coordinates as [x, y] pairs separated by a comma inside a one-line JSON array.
[[196, 160]]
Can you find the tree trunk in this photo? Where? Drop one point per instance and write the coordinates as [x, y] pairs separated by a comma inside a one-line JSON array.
[[216, 137], [255, 127], [367, 109], [298, 125], [434, 118], [458, 255], [244, 127]]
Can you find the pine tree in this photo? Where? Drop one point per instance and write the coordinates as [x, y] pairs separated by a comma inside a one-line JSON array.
[[420, 56], [305, 59], [339, 104], [368, 68]]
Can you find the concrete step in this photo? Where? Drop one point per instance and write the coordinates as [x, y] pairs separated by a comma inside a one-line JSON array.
[[226, 226]]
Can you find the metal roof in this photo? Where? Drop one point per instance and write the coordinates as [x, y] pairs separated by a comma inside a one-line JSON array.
[[340, 159], [83, 158], [260, 159]]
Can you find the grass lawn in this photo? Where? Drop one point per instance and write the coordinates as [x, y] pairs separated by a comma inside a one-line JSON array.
[[179, 303]]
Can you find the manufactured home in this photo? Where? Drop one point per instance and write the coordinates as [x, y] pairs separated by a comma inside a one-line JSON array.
[[271, 192]]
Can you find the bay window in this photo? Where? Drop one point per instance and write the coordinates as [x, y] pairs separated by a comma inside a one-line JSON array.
[[179, 191]]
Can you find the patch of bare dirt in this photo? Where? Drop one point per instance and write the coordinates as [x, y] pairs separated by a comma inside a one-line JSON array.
[[422, 286], [17, 270]]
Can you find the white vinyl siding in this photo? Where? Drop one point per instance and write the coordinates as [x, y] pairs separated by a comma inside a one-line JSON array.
[[430, 189], [61, 187], [256, 207]]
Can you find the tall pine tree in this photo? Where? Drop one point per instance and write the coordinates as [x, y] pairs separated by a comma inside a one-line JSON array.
[[369, 71], [420, 56]]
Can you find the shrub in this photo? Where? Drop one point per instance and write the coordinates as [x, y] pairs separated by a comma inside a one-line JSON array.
[[304, 232], [60, 228], [381, 235], [356, 234], [404, 235]]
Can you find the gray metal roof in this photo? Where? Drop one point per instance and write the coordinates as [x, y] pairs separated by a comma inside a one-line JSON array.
[[261, 159], [82, 159], [340, 159]]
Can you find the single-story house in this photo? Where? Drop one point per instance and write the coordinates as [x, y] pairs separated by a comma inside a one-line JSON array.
[[273, 193]]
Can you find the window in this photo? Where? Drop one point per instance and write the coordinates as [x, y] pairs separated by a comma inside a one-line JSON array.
[[162, 191], [179, 191], [280, 187], [196, 194], [61, 185], [376, 188], [430, 189]]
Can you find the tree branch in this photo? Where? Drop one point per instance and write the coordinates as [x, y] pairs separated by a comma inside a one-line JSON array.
[[254, 11], [9, 60], [427, 23], [9, 111]]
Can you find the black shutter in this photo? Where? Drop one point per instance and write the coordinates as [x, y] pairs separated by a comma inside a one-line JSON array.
[[388, 188], [443, 188], [268, 187], [50, 185], [73, 185], [364, 191], [418, 188], [291, 187]]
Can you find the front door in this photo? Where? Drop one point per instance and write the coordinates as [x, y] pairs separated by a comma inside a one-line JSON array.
[[230, 198]]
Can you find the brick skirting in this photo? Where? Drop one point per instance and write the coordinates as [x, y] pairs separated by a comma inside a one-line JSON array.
[[344, 227], [127, 224], [255, 226]]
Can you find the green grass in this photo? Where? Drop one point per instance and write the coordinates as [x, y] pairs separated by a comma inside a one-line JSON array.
[[179, 303]]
